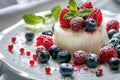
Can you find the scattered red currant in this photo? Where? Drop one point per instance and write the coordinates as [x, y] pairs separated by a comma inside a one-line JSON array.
[[31, 63], [10, 47], [13, 39], [22, 51], [100, 71], [48, 70], [34, 57], [28, 53]]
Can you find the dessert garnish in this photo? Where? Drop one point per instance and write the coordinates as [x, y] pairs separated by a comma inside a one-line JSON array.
[[48, 32], [22, 51], [10, 47], [28, 53], [29, 36], [48, 70], [13, 40], [111, 32], [31, 63]]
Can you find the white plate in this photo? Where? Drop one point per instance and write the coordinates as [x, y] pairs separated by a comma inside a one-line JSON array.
[[19, 64]]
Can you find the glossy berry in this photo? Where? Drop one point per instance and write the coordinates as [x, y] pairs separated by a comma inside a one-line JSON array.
[[10, 47], [96, 15], [63, 56], [117, 48], [92, 60], [106, 53], [64, 23], [90, 24], [66, 70], [54, 49], [114, 63], [116, 35], [114, 41], [99, 72], [35, 57], [48, 70], [43, 57], [29, 36], [28, 53], [13, 39], [86, 5], [112, 24], [31, 63], [76, 23], [44, 40], [47, 32], [79, 57], [39, 49], [111, 32], [22, 51]]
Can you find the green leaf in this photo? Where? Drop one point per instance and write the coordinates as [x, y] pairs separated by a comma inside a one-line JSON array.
[[84, 12], [32, 19], [73, 5], [70, 14], [56, 11], [49, 15]]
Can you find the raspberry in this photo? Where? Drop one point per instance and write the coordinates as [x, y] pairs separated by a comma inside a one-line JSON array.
[[96, 15], [13, 39], [10, 47], [112, 24], [45, 41], [32, 63], [86, 5], [79, 57], [76, 23], [65, 23], [106, 53]]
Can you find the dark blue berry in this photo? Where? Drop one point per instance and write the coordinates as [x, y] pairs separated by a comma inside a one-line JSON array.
[[98, 74], [90, 24], [53, 50], [43, 56], [92, 60], [114, 41], [53, 28], [117, 48], [47, 32], [63, 56], [40, 49], [29, 36], [111, 32], [114, 63], [116, 35], [66, 70]]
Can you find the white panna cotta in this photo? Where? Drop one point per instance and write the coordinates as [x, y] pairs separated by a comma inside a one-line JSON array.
[[69, 40]]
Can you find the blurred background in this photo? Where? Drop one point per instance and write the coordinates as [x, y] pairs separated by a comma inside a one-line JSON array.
[[11, 11]]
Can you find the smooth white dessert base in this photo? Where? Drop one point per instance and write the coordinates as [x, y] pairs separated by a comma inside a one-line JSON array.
[[69, 40]]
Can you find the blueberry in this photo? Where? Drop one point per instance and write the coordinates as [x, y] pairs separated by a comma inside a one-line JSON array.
[[43, 56], [114, 63], [117, 48], [116, 35], [29, 36], [47, 32], [53, 50], [92, 60], [66, 70], [40, 49], [111, 32], [97, 74], [114, 41], [53, 28], [90, 24], [63, 56]]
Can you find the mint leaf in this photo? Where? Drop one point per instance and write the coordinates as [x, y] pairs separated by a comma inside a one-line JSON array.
[[33, 19], [84, 12], [55, 12], [73, 5], [70, 14], [49, 15]]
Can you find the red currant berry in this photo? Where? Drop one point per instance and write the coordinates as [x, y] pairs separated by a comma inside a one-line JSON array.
[[13, 39], [28, 53], [34, 57], [10, 47], [32, 63], [100, 72], [22, 50], [48, 70]]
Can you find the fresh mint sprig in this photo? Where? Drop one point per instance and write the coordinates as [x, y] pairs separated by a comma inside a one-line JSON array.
[[75, 12]]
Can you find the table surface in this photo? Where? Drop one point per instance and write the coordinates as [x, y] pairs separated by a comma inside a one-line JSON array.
[[7, 20]]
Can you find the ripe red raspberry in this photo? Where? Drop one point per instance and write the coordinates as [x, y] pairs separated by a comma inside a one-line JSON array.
[[64, 23], [106, 53], [76, 23], [86, 5], [96, 15], [45, 41], [79, 57], [112, 24]]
